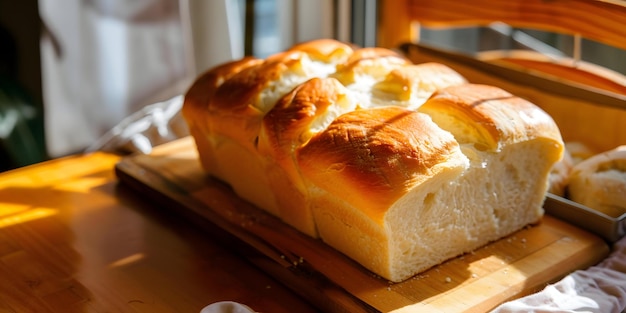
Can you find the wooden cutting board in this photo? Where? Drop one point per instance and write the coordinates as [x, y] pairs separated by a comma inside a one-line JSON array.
[[475, 282]]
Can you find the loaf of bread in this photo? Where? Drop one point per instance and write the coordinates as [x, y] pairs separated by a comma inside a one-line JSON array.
[[599, 182], [399, 166]]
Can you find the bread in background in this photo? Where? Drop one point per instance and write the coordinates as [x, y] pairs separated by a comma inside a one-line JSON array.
[[579, 151], [574, 153], [599, 182]]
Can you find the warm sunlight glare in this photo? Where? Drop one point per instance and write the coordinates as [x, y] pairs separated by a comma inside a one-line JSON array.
[[12, 216], [128, 260], [83, 185], [7, 209]]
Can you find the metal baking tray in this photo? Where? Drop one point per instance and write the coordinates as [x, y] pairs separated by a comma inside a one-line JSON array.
[[607, 227]]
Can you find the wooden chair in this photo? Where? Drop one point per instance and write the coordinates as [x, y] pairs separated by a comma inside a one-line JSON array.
[[588, 101]]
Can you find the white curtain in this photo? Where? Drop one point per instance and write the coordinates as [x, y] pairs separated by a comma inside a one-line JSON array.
[[103, 60]]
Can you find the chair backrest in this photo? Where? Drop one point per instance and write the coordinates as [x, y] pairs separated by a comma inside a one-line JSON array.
[[587, 100], [600, 20]]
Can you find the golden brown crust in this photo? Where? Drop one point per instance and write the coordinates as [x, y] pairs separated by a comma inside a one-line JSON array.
[[242, 101], [374, 53], [371, 62], [325, 49], [290, 123], [414, 84], [493, 115], [237, 93], [377, 154], [202, 90], [195, 108], [237, 108]]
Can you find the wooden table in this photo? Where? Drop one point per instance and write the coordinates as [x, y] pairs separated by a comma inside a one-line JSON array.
[[72, 239]]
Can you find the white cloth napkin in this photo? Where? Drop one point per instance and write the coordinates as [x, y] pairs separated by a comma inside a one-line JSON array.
[[226, 307], [153, 125]]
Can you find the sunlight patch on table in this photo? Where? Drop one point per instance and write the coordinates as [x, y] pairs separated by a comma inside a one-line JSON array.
[[127, 260], [8, 218], [84, 185]]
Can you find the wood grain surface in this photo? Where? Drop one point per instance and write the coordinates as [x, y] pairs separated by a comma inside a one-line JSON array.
[[599, 20], [476, 282], [72, 239]]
